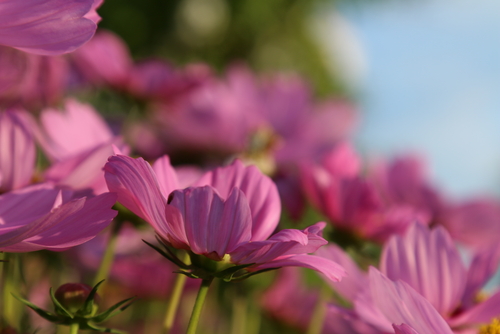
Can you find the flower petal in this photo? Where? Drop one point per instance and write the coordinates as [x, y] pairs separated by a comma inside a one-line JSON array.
[[17, 152], [135, 183], [260, 191], [430, 263], [46, 27], [213, 227]]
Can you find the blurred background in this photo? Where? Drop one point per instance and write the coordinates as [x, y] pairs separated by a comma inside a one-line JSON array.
[[424, 73]]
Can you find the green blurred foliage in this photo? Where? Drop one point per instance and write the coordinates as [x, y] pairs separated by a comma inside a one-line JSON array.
[[268, 35]]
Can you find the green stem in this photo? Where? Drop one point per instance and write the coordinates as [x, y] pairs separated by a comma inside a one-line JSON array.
[[109, 254], [239, 319], [173, 303], [73, 328], [11, 284], [198, 304], [318, 317]]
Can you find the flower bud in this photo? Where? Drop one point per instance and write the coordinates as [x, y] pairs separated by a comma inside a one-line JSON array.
[[73, 295]]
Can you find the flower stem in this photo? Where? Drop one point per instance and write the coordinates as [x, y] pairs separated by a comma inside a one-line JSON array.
[[198, 304], [173, 303], [109, 254], [319, 313], [73, 328]]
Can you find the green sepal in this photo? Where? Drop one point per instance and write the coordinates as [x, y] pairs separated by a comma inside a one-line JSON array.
[[101, 329], [227, 274], [187, 273], [88, 306], [41, 312], [113, 310], [170, 256], [250, 274], [58, 306]]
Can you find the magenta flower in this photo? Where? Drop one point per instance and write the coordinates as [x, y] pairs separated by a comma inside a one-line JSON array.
[[228, 221], [47, 27], [43, 217], [79, 142], [353, 203], [17, 151]]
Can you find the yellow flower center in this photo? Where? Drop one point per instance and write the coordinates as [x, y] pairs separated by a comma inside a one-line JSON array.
[[493, 328]]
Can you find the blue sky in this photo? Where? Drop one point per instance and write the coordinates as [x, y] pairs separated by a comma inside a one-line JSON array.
[[433, 86]]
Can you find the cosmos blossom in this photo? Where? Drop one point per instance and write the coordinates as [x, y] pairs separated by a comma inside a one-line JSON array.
[[231, 219], [44, 217], [47, 27]]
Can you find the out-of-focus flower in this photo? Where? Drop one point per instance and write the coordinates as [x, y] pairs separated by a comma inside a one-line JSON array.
[[404, 181], [47, 27], [352, 203], [29, 80], [79, 141], [427, 263], [227, 221], [288, 300], [474, 222], [43, 217], [104, 60], [17, 152]]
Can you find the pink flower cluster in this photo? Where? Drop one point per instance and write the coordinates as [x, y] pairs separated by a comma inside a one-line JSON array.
[[239, 147]]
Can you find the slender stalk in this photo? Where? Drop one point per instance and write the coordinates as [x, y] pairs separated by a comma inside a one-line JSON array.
[[318, 316], [198, 304], [109, 254], [254, 318], [11, 283], [239, 318], [73, 328], [173, 303]]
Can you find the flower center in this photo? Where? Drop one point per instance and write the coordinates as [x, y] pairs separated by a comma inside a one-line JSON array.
[[492, 328]]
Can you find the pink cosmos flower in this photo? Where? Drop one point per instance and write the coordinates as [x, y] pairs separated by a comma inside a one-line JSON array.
[[405, 181], [43, 217], [353, 203], [47, 27], [79, 141], [17, 151], [230, 220], [430, 266]]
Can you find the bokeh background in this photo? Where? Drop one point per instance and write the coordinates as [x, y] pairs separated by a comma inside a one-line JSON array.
[[424, 73]]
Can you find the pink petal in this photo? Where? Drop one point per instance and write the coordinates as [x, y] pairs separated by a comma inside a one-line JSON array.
[[83, 170], [481, 313], [47, 27], [69, 225], [105, 59], [213, 227], [403, 329], [17, 152], [429, 262], [355, 279], [332, 270], [260, 191], [77, 129], [20, 207], [484, 265], [166, 175], [135, 183], [399, 303]]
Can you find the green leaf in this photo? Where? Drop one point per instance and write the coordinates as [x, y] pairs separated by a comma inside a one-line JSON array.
[[113, 310], [41, 312], [88, 306], [101, 329], [58, 306], [229, 272], [172, 258], [242, 277]]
